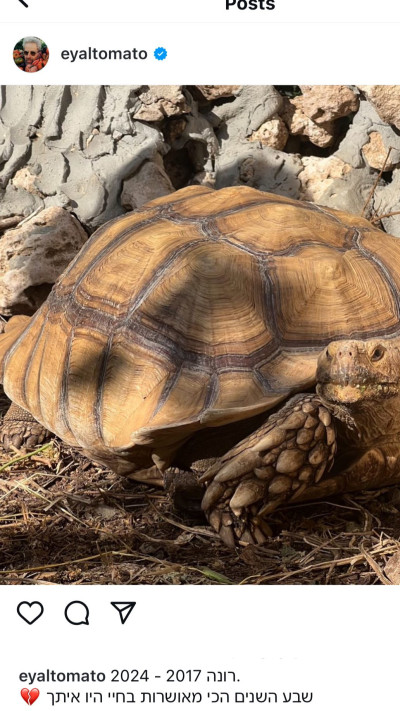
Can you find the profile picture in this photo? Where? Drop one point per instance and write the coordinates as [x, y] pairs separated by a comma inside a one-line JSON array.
[[31, 54]]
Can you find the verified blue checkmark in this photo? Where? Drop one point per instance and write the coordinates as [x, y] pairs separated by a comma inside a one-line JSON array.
[[160, 53]]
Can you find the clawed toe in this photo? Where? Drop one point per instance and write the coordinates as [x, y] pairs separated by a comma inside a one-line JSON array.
[[274, 465], [20, 435], [239, 529]]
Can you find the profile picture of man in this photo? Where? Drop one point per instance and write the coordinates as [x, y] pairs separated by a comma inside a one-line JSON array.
[[31, 54]]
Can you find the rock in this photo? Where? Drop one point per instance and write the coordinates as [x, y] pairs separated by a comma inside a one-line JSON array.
[[205, 178], [318, 175], [16, 201], [7, 222], [195, 147], [299, 124], [327, 103], [240, 161], [259, 167], [387, 201], [252, 106], [351, 192], [99, 150], [386, 100], [51, 169], [33, 255], [272, 133], [17, 159], [131, 152], [159, 102], [148, 183], [100, 144], [84, 188], [199, 132], [115, 116], [214, 91], [94, 186], [175, 129], [25, 180], [377, 154], [73, 146], [365, 122]]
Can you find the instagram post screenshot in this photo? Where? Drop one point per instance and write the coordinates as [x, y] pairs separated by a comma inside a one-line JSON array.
[[199, 354]]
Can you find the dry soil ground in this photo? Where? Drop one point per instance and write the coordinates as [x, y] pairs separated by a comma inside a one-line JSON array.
[[65, 520]]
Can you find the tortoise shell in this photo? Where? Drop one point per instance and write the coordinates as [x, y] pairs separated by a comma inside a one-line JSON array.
[[201, 309]]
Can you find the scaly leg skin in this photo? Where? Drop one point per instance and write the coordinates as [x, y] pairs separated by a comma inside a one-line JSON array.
[[376, 467], [274, 465], [20, 429]]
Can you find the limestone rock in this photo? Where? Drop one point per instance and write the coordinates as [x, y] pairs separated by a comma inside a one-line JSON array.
[[215, 91], [174, 129], [95, 186], [252, 106], [327, 103], [377, 154], [272, 133], [386, 100], [259, 167], [351, 192], [318, 174], [73, 146], [33, 255], [84, 188], [6, 223], [365, 122], [386, 201], [158, 102], [14, 201], [299, 124], [25, 180], [194, 146], [239, 161], [99, 150], [149, 183], [204, 177]]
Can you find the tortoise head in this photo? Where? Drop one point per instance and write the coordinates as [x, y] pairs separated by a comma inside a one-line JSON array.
[[359, 372]]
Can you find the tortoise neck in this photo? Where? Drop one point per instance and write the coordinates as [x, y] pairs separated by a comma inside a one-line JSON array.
[[369, 422]]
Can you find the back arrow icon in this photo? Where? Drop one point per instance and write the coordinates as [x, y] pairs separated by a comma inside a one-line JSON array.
[[24, 3]]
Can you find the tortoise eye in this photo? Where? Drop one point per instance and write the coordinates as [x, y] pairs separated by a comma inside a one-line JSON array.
[[377, 353]]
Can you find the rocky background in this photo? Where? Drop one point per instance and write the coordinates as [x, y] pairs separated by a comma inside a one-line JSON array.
[[73, 157]]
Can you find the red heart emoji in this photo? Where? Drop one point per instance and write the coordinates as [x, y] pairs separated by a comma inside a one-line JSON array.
[[30, 696]]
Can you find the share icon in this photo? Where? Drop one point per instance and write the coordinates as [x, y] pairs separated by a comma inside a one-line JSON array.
[[124, 609]]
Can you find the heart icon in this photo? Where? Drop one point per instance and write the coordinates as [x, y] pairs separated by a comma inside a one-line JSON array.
[[30, 695], [30, 611]]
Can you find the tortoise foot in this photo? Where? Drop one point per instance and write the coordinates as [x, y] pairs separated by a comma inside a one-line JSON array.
[[274, 465], [238, 528], [20, 430]]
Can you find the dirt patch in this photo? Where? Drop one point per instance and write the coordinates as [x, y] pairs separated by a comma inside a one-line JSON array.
[[65, 520]]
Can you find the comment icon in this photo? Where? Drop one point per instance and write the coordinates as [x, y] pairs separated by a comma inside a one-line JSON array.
[[77, 613]]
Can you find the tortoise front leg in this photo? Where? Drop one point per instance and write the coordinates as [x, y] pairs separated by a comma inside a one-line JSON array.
[[375, 468], [276, 464], [20, 429]]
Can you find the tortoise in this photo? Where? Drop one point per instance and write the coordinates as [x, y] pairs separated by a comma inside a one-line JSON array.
[[185, 341]]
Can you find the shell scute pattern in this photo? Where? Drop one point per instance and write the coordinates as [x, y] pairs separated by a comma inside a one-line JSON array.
[[202, 308]]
